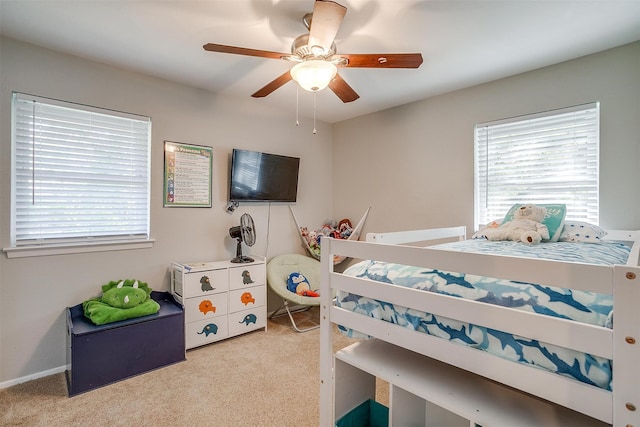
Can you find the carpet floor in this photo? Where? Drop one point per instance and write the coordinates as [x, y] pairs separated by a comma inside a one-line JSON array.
[[264, 378]]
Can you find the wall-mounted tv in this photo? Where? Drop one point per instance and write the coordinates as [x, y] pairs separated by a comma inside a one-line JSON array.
[[263, 177]]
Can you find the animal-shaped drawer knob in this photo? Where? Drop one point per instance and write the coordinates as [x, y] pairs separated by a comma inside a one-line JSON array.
[[246, 277], [246, 298], [249, 318], [205, 284], [210, 328], [206, 306]]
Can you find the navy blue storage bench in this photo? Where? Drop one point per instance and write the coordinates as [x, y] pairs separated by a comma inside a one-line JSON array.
[[101, 355]]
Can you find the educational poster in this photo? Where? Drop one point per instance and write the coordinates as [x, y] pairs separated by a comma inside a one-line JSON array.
[[187, 175]]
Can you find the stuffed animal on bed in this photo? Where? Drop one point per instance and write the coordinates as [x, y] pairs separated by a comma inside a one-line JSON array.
[[120, 300], [526, 226], [298, 284]]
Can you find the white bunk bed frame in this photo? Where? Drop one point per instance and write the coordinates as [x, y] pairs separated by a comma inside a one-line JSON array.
[[620, 407]]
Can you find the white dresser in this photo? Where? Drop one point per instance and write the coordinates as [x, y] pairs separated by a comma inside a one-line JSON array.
[[221, 299]]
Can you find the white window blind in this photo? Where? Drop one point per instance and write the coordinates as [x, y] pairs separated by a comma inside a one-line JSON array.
[[549, 157], [79, 174]]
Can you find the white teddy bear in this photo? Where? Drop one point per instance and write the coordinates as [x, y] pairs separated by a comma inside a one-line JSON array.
[[526, 226]]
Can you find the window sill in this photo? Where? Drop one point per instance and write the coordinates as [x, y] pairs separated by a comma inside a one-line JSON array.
[[77, 248]]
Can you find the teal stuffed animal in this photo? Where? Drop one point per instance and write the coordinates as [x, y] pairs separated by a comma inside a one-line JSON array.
[[120, 300]]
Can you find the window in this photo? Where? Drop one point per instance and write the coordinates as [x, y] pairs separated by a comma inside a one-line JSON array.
[[80, 175], [550, 157]]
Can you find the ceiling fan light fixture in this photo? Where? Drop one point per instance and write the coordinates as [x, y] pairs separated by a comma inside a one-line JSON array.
[[314, 74]]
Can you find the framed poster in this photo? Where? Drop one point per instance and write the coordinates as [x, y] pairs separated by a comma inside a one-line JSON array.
[[187, 175]]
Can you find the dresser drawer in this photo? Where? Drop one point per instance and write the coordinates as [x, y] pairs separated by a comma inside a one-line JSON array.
[[205, 282], [246, 276], [242, 299], [205, 307], [247, 320], [206, 331]]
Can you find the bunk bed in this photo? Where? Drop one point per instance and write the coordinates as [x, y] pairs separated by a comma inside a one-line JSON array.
[[476, 386]]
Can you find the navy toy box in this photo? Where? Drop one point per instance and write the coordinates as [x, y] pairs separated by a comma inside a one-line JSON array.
[[101, 355]]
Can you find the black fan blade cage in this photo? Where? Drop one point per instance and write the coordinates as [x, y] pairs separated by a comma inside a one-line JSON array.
[[243, 232]]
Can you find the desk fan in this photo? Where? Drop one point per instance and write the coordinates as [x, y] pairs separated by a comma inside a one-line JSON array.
[[245, 232]]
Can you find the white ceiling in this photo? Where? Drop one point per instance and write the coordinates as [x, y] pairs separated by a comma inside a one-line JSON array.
[[463, 42]]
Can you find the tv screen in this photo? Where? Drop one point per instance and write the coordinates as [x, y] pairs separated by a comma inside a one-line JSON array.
[[263, 177]]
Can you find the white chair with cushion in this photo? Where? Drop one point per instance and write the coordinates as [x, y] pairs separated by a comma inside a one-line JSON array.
[[278, 271]]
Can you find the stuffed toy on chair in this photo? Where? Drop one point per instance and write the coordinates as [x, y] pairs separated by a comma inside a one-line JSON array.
[[120, 300], [298, 284], [526, 226]]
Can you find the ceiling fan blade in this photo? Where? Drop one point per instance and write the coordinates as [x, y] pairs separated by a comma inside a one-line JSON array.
[[273, 85], [382, 60], [342, 89], [325, 22], [212, 47]]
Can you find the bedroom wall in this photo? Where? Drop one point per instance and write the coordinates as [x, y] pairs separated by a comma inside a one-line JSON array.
[[35, 291], [414, 164]]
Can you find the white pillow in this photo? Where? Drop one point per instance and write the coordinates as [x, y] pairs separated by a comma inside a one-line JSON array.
[[480, 234], [579, 231]]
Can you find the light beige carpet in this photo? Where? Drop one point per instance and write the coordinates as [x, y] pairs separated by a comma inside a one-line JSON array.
[[259, 379]]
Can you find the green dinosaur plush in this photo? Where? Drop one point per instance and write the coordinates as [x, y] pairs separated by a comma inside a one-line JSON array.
[[125, 294], [120, 300]]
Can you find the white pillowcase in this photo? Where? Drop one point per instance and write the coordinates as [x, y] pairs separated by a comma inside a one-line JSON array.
[[579, 231], [480, 234]]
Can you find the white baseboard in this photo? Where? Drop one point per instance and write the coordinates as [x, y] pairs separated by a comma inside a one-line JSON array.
[[42, 374]]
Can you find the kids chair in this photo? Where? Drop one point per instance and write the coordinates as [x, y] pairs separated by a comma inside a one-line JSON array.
[[279, 269]]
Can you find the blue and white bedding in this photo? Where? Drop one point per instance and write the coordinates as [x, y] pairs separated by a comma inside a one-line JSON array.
[[581, 306]]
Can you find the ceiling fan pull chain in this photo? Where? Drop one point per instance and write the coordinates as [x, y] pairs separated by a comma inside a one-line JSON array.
[[297, 106], [314, 112]]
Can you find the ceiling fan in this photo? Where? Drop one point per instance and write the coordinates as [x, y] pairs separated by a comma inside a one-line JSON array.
[[316, 57]]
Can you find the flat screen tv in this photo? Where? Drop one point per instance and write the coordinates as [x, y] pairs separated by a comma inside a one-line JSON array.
[[263, 177]]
